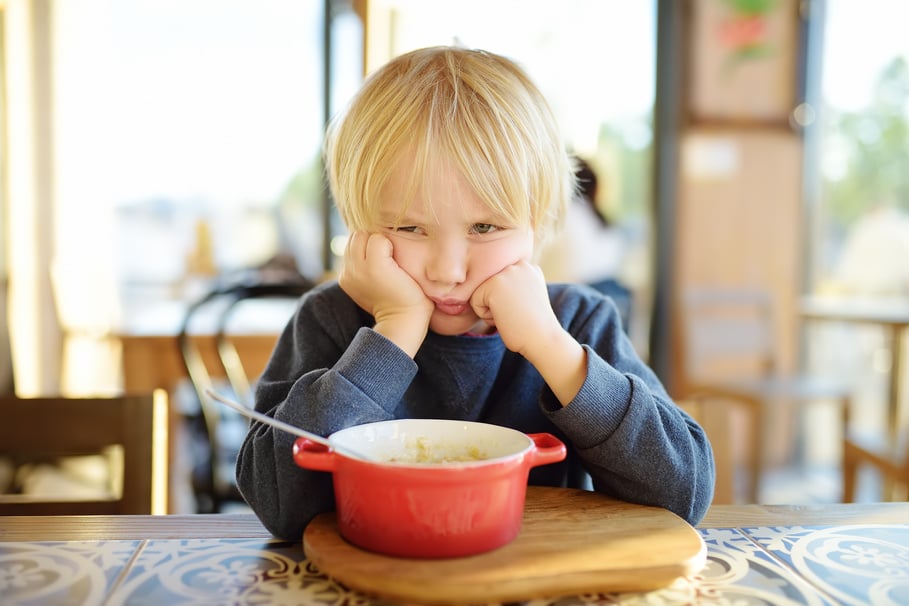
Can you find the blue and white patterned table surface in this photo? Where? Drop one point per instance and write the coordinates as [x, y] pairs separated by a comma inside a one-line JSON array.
[[779, 565]]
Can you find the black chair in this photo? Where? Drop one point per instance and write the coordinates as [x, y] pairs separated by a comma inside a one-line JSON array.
[[216, 432]]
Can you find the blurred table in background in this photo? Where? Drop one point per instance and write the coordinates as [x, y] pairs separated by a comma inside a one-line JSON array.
[[151, 355], [151, 361], [891, 314]]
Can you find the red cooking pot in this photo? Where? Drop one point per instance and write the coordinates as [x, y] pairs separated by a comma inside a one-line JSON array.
[[433, 488]]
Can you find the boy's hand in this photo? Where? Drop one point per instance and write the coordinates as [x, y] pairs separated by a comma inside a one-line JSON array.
[[516, 301], [375, 281]]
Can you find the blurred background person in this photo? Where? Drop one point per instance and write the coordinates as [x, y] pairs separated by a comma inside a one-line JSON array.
[[590, 249]]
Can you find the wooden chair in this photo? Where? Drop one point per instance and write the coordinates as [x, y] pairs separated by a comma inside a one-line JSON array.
[[730, 354], [131, 432], [889, 459]]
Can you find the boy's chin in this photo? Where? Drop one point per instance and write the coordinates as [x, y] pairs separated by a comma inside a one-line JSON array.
[[449, 326]]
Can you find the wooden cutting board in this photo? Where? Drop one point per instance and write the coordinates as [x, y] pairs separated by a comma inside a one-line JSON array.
[[571, 542]]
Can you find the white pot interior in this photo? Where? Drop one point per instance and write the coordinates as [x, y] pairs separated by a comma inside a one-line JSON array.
[[432, 441]]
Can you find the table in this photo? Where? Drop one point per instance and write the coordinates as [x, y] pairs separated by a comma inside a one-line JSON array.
[[830, 554], [151, 355], [891, 314], [154, 361]]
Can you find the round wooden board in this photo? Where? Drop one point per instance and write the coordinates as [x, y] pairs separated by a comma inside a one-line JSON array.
[[571, 542]]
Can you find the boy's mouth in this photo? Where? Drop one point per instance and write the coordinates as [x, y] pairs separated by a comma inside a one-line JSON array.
[[450, 307]]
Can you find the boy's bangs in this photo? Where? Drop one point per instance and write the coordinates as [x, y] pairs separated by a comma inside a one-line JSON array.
[[489, 170]]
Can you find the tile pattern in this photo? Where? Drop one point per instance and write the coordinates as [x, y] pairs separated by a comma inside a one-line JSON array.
[[853, 564], [810, 565], [74, 572]]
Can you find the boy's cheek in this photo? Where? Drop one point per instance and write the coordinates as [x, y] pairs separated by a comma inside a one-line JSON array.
[[524, 251], [406, 258]]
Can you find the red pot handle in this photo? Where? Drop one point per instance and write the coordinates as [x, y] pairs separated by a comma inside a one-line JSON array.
[[548, 449], [312, 455]]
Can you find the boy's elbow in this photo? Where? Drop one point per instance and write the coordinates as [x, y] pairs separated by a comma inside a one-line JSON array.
[[699, 506], [702, 494], [284, 527], [285, 530]]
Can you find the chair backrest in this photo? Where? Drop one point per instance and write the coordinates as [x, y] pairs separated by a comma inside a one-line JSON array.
[[225, 301], [727, 333], [129, 430]]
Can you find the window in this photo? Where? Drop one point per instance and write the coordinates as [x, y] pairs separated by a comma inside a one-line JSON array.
[[862, 151], [187, 139]]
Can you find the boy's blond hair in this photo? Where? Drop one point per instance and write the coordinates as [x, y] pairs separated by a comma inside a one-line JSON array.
[[476, 109]]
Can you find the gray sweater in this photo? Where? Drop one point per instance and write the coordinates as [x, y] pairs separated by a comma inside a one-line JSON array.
[[330, 370]]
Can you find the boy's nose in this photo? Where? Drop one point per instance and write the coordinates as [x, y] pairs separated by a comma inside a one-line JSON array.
[[448, 263]]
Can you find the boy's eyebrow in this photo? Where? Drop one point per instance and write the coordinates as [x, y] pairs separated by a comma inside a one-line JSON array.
[[396, 217], [408, 217]]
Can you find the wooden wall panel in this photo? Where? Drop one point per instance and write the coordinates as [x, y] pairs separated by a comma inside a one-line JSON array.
[[739, 219]]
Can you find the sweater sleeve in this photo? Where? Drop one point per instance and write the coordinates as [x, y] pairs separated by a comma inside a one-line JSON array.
[[313, 383], [635, 442]]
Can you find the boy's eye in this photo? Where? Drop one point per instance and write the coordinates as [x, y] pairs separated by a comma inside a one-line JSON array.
[[484, 228], [411, 229]]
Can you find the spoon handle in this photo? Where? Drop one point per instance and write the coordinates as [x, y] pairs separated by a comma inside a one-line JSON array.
[[291, 429], [258, 416]]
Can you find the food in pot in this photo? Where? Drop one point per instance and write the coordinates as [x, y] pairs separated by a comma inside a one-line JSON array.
[[422, 450]]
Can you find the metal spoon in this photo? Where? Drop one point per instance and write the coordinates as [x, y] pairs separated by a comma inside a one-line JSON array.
[[292, 429]]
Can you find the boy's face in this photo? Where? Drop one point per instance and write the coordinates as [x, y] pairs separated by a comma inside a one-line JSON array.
[[449, 242]]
